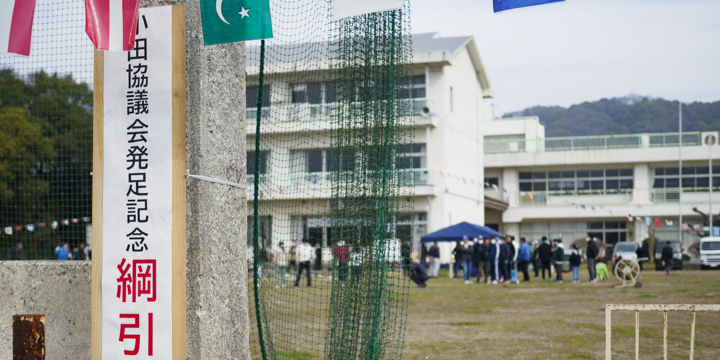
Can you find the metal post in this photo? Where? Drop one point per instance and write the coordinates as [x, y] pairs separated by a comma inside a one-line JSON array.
[[28, 337], [665, 335], [710, 144], [680, 141], [637, 335], [608, 333], [692, 336]]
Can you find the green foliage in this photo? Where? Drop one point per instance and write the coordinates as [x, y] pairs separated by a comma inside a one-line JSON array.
[[624, 115], [45, 157]]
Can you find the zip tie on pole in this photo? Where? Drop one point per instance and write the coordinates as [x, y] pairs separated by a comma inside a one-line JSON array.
[[205, 178]]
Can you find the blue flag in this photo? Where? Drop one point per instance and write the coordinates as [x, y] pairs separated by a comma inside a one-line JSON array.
[[502, 5]]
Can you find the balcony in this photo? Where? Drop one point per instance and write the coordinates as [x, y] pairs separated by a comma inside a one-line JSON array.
[[600, 142], [306, 111]]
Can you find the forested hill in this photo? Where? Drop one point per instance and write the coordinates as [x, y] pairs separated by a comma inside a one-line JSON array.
[[624, 115]]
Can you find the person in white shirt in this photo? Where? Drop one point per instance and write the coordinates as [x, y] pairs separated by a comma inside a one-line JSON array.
[[281, 262], [304, 253]]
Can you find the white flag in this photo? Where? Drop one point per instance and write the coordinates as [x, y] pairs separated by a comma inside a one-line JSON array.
[[8, 230], [347, 8]]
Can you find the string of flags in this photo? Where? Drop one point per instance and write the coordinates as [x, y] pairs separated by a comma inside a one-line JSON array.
[[8, 230]]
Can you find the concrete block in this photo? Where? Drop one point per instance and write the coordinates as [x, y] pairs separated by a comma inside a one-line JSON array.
[[60, 290]]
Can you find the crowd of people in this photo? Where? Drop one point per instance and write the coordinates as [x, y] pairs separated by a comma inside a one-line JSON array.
[[498, 260], [62, 252]]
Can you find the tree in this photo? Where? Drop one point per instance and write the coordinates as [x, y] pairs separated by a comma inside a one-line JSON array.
[[46, 168]]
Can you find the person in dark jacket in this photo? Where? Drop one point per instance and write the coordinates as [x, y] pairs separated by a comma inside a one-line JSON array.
[[466, 252], [667, 257], [318, 256], [524, 256], [593, 250], [575, 263], [481, 256], [536, 258], [545, 254], [511, 254], [559, 259], [16, 253], [417, 272], [504, 260], [434, 254], [458, 262]]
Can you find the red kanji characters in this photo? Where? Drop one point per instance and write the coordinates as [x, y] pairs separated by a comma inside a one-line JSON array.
[[144, 279], [136, 337], [124, 281], [138, 283]]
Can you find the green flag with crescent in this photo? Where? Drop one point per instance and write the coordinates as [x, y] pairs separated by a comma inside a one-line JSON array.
[[225, 21]]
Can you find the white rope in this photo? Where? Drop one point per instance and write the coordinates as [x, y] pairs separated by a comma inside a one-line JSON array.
[[205, 178]]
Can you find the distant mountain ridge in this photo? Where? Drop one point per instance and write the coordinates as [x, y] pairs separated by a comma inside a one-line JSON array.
[[624, 115]]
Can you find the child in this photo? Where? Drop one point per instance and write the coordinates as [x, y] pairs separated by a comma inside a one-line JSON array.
[[575, 264]]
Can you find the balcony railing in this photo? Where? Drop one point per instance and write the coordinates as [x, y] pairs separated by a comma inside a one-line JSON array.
[[697, 195], [600, 142], [324, 180], [306, 111], [588, 198]]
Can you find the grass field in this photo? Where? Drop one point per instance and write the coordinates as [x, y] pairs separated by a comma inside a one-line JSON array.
[[544, 320]]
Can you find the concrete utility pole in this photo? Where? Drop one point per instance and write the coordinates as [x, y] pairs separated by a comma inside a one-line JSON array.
[[217, 303], [680, 171]]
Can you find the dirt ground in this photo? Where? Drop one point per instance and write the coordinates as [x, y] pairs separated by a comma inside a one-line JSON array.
[[544, 320]]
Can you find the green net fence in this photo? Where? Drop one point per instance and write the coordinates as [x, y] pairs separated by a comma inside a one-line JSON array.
[[46, 137], [329, 133]]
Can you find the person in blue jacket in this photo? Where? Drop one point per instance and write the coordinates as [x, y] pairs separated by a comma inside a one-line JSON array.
[[493, 257], [524, 256], [504, 260]]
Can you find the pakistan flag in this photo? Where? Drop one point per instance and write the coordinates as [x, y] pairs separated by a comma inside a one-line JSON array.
[[225, 21]]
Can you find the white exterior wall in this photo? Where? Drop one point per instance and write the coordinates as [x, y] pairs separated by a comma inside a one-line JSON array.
[[453, 139], [559, 209]]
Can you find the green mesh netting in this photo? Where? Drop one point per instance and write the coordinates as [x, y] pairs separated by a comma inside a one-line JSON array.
[[46, 137], [329, 125]]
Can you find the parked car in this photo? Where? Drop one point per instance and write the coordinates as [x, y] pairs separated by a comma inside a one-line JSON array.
[[709, 252], [625, 250], [677, 254]]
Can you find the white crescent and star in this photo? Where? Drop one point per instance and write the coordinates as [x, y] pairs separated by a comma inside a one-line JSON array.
[[218, 7], [244, 12]]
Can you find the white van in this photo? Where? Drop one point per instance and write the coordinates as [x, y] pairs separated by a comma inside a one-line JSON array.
[[710, 252]]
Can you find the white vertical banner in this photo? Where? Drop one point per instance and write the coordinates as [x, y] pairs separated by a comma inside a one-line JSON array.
[[137, 194]]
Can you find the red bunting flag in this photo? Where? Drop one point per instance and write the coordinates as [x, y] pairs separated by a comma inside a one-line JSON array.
[[16, 27], [111, 24], [658, 223]]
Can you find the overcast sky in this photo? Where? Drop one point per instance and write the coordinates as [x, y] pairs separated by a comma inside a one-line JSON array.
[[584, 50]]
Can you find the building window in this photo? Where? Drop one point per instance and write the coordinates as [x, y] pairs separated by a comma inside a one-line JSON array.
[[609, 231], [251, 96], [412, 87], [411, 157], [314, 93], [264, 235], [251, 162], [323, 160], [578, 182], [693, 178], [489, 182]]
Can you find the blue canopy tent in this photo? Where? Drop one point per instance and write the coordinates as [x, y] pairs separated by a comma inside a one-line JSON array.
[[457, 231]]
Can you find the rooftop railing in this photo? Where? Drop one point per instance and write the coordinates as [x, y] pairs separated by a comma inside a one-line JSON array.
[[599, 142]]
